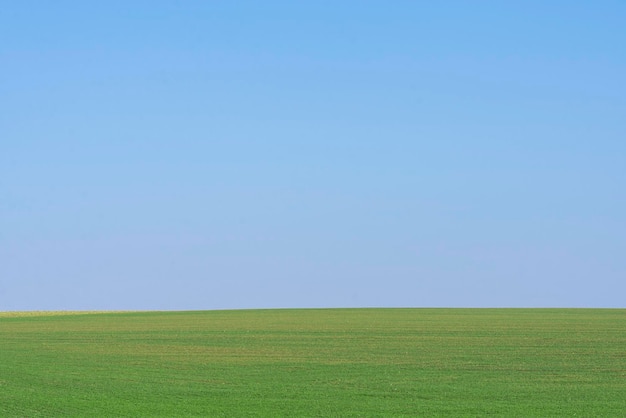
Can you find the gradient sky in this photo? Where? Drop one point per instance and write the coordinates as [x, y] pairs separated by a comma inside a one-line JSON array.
[[210, 155]]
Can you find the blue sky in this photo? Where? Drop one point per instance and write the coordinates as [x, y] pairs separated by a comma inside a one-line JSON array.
[[210, 155]]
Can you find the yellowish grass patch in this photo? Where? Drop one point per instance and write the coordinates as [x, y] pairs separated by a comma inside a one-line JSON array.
[[30, 314]]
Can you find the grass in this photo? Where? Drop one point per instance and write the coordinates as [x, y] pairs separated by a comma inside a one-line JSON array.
[[335, 362]]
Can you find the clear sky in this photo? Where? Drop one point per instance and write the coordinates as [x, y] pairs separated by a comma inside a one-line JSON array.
[[235, 154]]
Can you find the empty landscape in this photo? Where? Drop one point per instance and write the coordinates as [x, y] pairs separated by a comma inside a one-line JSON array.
[[312, 209], [314, 362]]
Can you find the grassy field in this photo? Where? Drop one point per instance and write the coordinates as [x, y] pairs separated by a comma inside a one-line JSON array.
[[335, 362]]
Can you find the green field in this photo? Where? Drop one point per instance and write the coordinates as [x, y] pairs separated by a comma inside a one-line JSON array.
[[334, 362]]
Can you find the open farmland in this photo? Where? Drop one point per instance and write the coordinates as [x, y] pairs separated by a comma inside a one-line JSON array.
[[326, 362]]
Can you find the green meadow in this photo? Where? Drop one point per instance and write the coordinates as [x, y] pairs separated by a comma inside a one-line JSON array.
[[314, 363]]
